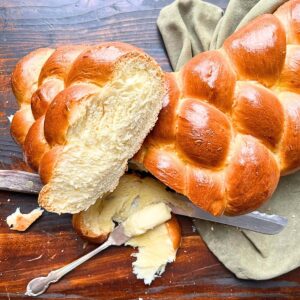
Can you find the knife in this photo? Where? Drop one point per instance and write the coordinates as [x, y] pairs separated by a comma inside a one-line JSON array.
[[254, 221], [25, 182]]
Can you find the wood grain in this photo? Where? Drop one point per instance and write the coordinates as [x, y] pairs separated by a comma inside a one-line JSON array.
[[51, 241]]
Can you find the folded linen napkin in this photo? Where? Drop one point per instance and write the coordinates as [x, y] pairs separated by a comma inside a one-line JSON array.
[[192, 26]]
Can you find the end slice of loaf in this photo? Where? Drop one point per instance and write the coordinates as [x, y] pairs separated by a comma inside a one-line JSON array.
[[156, 247], [94, 130]]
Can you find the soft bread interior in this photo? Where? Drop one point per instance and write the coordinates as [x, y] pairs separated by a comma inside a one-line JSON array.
[[155, 250], [147, 218], [132, 194], [106, 130], [156, 247]]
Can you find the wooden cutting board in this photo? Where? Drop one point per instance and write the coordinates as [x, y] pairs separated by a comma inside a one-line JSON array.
[[50, 243]]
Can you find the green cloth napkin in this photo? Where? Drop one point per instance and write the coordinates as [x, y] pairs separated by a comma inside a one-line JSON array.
[[192, 26]]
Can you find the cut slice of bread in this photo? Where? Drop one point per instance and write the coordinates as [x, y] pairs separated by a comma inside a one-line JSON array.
[[156, 247], [146, 219], [94, 130]]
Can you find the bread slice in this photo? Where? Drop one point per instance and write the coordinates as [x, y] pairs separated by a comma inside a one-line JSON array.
[[156, 247], [94, 130]]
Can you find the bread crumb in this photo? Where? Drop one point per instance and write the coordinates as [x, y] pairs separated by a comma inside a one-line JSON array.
[[84, 245], [53, 256], [212, 228], [10, 118], [36, 258], [20, 222]]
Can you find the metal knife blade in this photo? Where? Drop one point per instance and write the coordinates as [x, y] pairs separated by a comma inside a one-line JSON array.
[[254, 221], [25, 182], [20, 181]]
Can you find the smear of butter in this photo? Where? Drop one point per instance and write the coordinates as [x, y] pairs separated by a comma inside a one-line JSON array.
[[147, 218]]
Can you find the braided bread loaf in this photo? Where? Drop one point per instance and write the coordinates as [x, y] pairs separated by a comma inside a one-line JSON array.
[[84, 111], [231, 124]]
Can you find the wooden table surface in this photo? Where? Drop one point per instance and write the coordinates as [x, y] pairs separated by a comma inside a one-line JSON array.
[[51, 242]]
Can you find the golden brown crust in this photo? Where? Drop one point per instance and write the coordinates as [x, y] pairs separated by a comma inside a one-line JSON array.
[[232, 129], [254, 102], [206, 190], [168, 114], [209, 76], [59, 63], [290, 76], [174, 231], [21, 123], [289, 16], [48, 162], [258, 50], [204, 141], [256, 179], [166, 167], [26, 73], [44, 95], [57, 119], [35, 144], [96, 64], [86, 232], [290, 144]]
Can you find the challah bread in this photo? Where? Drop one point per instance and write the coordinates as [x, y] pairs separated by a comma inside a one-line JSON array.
[[156, 247], [231, 123], [84, 112]]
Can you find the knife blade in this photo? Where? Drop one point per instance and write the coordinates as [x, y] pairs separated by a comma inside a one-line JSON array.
[[20, 181], [25, 182], [254, 221]]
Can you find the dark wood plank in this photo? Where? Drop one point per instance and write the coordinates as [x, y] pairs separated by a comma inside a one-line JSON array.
[[51, 241]]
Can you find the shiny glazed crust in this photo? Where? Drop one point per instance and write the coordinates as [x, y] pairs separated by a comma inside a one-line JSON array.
[[231, 124], [174, 230], [86, 232]]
